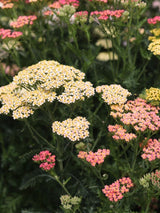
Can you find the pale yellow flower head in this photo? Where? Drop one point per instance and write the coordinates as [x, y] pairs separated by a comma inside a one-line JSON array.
[[74, 130], [40, 83], [113, 94]]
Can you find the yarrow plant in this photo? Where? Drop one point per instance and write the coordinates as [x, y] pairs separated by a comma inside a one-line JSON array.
[[60, 53]]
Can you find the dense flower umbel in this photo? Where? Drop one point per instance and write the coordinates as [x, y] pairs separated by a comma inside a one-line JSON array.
[[154, 20], [120, 133], [60, 3], [74, 130], [152, 150], [7, 33], [6, 4], [139, 114], [46, 160], [104, 1], [154, 46], [23, 20], [153, 94], [115, 191], [69, 202], [113, 94], [94, 157], [40, 83], [104, 15]]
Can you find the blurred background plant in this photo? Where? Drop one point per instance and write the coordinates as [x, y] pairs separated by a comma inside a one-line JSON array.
[[108, 41]]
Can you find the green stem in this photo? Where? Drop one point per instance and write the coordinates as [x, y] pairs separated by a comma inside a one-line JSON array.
[[60, 183]]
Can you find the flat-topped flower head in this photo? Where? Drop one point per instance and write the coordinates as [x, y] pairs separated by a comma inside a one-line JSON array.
[[119, 133], [115, 191], [23, 20], [154, 20], [152, 150], [74, 130], [40, 83], [153, 95], [45, 159], [106, 14], [94, 157], [140, 115], [113, 94], [9, 34], [154, 46]]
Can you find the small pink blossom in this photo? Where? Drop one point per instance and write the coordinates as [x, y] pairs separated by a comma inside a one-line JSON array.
[[46, 160]]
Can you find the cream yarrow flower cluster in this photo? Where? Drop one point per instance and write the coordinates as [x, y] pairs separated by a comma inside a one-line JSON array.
[[113, 94], [40, 83], [74, 130], [69, 202]]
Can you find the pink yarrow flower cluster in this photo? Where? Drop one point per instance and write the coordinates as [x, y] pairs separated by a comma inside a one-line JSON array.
[[94, 157], [120, 133], [23, 20], [60, 3], [81, 14], [8, 33], [106, 14], [104, 1], [116, 190], [46, 160], [152, 150], [139, 114], [155, 178], [154, 20]]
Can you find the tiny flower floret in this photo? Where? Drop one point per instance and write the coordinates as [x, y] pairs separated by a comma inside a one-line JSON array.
[[74, 130], [115, 191], [46, 160]]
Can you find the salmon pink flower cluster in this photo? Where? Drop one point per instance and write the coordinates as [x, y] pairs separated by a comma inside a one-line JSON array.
[[60, 3], [152, 150], [120, 133], [23, 20], [6, 4], [74, 130], [104, 1], [81, 14], [115, 191], [106, 14], [154, 20], [46, 160], [94, 157], [48, 13], [8, 33], [139, 114]]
